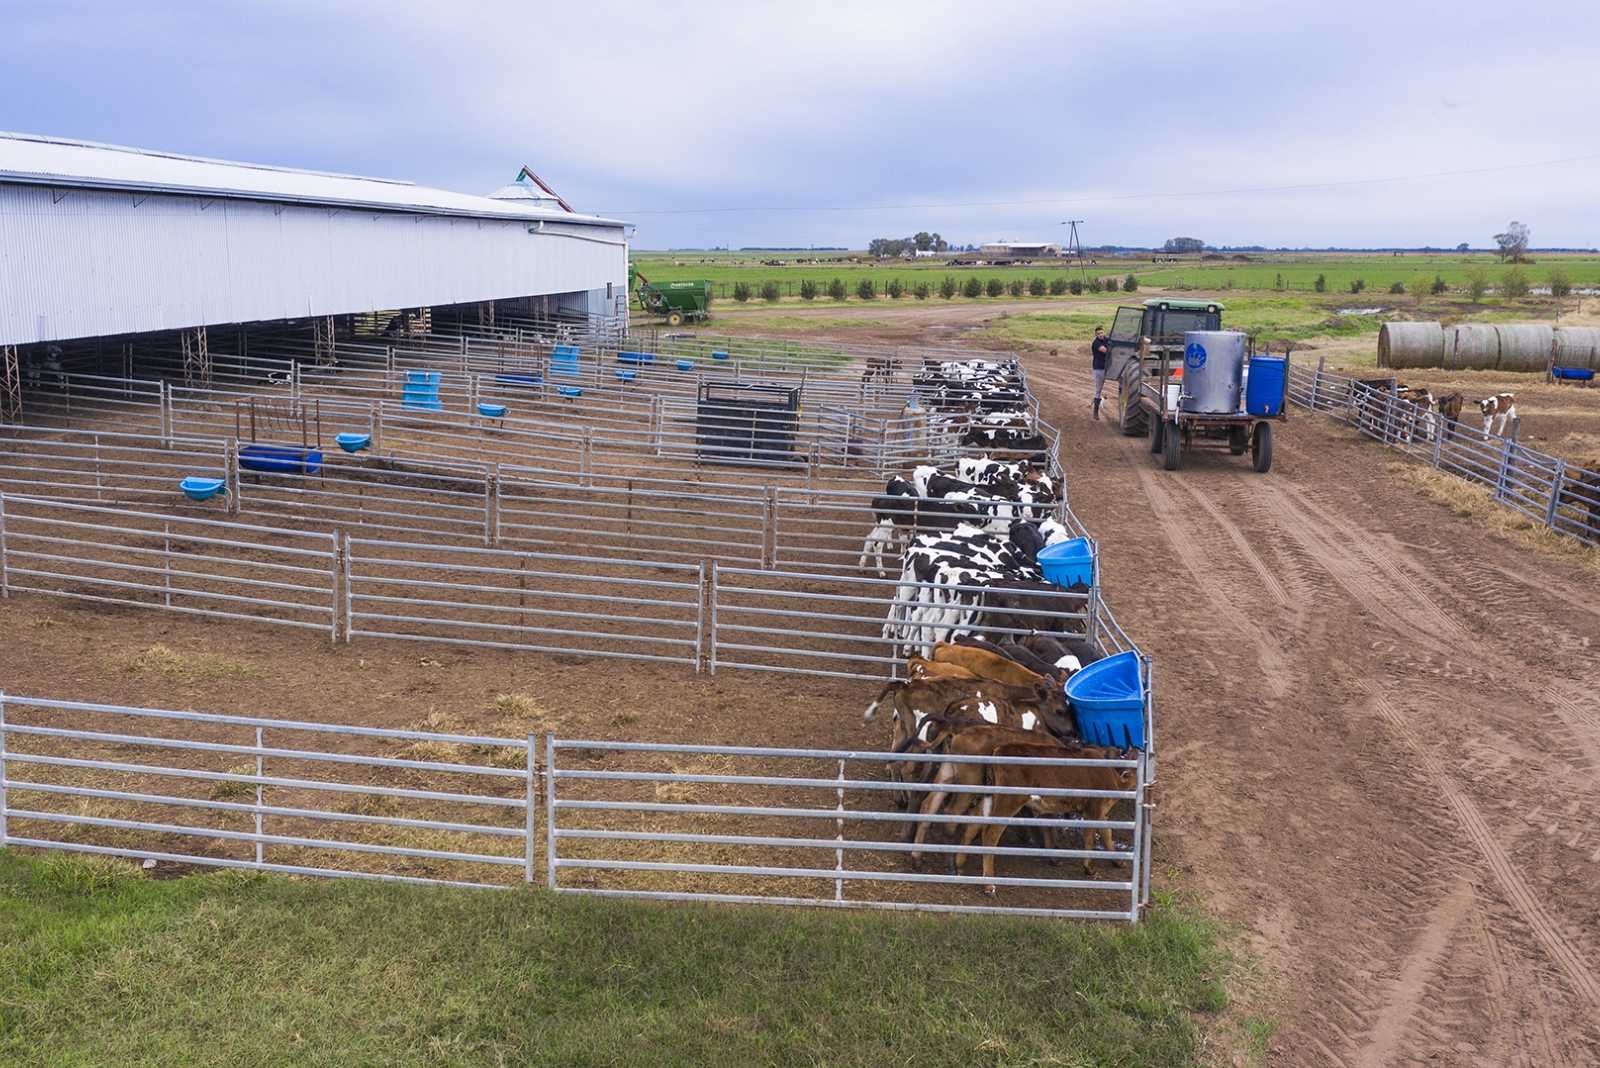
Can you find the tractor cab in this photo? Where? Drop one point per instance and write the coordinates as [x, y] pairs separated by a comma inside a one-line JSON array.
[[1162, 321]]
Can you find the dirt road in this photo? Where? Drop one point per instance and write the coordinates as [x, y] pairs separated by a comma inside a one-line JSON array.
[[1381, 742]]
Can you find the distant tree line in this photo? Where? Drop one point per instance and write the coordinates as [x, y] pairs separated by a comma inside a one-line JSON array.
[[921, 241]]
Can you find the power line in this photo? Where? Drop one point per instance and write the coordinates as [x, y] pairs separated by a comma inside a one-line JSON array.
[[1062, 202]]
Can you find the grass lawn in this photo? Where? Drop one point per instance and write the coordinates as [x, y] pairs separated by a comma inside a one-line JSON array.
[[100, 966]]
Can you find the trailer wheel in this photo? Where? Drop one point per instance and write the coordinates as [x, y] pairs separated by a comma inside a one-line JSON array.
[[1238, 440], [1155, 435], [1133, 415], [1261, 447], [1171, 441], [674, 318]]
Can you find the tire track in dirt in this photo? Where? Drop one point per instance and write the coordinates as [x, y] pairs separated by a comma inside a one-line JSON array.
[[1269, 581], [1409, 992], [1276, 666], [1582, 978]]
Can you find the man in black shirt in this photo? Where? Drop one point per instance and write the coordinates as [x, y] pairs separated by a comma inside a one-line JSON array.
[[1099, 350]]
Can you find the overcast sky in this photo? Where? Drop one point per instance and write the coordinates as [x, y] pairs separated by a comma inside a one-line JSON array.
[[981, 120]]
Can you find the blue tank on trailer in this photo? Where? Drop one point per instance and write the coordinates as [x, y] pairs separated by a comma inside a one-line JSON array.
[[1263, 391]]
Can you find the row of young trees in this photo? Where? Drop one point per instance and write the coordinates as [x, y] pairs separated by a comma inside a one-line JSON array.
[[948, 288]]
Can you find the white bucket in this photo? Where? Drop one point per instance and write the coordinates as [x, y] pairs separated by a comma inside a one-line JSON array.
[[1173, 390]]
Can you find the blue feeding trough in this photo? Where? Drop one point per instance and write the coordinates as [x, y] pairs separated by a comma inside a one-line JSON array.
[[636, 357], [421, 392], [1263, 391], [1573, 374], [625, 375], [686, 365], [491, 411], [353, 442], [569, 391], [1107, 698], [564, 360], [280, 459], [1068, 563], [719, 355], [197, 488]]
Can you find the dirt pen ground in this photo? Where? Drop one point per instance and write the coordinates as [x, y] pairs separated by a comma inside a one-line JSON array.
[[1380, 726]]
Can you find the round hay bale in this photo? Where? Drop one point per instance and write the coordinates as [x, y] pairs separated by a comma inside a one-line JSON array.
[[1411, 345], [1578, 346], [1524, 346], [1472, 347]]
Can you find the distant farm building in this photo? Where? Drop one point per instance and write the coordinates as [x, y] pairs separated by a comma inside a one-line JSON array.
[[121, 250], [1011, 252]]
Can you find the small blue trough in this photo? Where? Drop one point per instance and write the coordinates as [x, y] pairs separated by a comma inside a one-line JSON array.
[[523, 381], [280, 459], [198, 488], [1573, 374], [1107, 697], [686, 365], [719, 355], [491, 411], [1068, 563], [570, 391], [625, 375], [353, 442]]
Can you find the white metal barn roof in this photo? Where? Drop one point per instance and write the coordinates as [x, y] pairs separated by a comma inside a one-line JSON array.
[[99, 240]]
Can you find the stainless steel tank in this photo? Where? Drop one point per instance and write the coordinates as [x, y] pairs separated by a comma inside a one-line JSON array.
[[1212, 364]]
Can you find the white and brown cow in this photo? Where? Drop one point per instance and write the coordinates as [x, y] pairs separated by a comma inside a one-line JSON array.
[[1501, 407]]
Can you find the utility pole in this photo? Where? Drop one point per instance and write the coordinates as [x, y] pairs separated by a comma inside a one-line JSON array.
[[1074, 244]]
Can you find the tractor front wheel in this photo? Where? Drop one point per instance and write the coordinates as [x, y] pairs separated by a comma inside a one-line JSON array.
[[674, 318]]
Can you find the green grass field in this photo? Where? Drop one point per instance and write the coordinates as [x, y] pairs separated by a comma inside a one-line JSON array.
[[99, 966], [1262, 273]]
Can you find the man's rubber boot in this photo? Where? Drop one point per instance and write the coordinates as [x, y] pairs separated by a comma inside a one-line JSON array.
[[1097, 407]]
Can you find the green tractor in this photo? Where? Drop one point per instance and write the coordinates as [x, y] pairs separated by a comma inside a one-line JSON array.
[[1139, 336], [676, 301]]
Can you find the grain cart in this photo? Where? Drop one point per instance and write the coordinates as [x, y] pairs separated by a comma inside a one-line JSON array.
[[1140, 337], [1208, 393], [677, 301]]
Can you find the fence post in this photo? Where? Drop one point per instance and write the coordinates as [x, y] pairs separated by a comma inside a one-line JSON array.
[[700, 622], [656, 421], [97, 481], [343, 569], [294, 380], [1139, 844], [491, 507], [586, 459], [230, 474], [527, 870], [338, 568], [550, 809], [166, 415], [388, 359], [1091, 626], [474, 387], [1549, 515], [711, 660], [3, 831], [5, 571], [376, 419], [838, 825], [260, 772], [1506, 445], [769, 522], [166, 564], [1316, 381]]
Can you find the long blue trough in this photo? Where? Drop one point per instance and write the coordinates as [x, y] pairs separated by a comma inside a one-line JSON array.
[[280, 459], [1573, 374], [1107, 697]]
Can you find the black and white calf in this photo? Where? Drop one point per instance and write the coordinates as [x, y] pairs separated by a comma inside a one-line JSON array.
[[933, 500]]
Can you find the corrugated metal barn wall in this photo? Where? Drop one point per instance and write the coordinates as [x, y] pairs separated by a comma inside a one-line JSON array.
[[93, 263]]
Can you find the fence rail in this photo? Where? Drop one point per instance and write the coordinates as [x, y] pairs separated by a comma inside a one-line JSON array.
[[1549, 491], [637, 819]]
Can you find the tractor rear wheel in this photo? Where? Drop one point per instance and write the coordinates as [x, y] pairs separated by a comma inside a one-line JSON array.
[[1261, 447], [1132, 413]]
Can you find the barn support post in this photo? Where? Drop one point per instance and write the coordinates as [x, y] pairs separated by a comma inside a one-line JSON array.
[[10, 386], [528, 811], [1555, 494], [1316, 381], [261, 771]]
